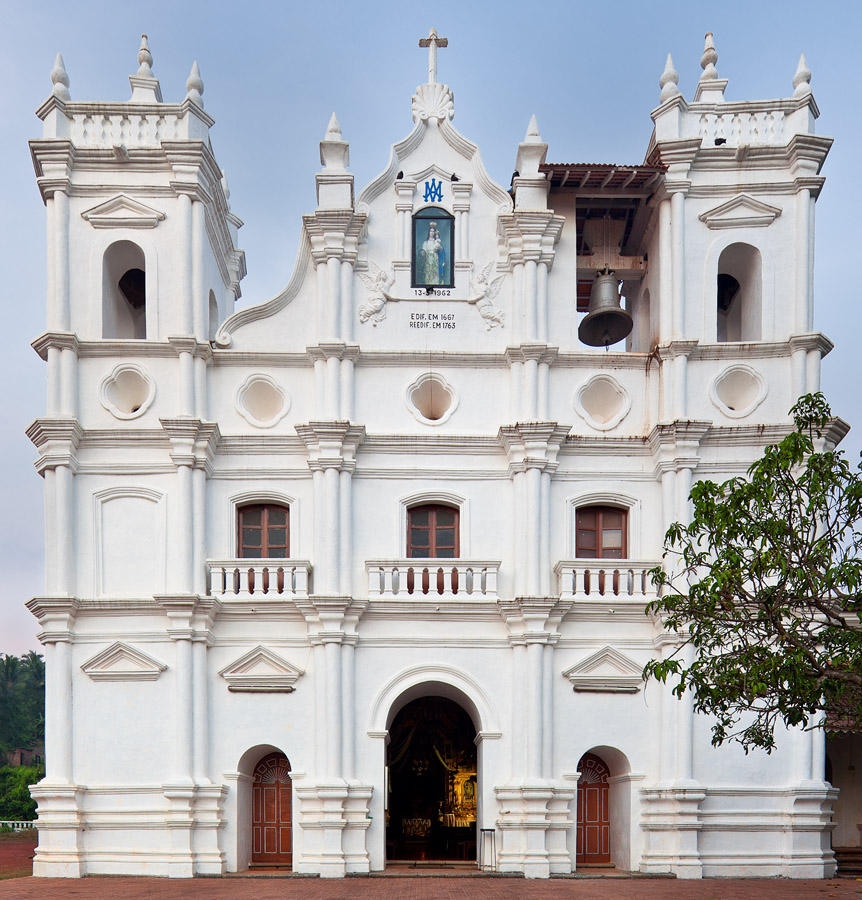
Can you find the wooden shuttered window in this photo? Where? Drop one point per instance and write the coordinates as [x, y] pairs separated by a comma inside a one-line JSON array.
[[432, 531], [602, 533], [264, 532]]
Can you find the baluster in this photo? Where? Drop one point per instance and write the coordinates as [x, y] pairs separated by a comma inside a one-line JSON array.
[[388, 575], [601, 581], [235, 575], [489, 580], [469, 580]]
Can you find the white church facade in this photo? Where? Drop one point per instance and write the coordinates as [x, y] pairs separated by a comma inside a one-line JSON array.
[[357, 575]]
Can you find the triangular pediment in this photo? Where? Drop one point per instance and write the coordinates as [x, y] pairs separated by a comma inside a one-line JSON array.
[[606, 670], [123, 212], [120, 662], [741, 212], [261, 670]]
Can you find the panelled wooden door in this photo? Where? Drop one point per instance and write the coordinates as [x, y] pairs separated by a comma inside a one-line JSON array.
[[594, 827], [271, 837]]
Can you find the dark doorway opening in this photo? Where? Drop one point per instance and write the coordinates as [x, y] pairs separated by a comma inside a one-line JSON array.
[[432, 783], [594, 820]]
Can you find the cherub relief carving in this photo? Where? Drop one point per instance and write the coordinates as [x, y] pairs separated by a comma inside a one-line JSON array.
[[484, 292], [377, 284]]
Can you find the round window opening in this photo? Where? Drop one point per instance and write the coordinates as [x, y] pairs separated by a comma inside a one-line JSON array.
[[431, 399], [127, 392], [261, 401]]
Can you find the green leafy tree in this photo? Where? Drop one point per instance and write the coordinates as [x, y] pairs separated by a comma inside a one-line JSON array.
[[15, 800], [22, 701], [767, 590]]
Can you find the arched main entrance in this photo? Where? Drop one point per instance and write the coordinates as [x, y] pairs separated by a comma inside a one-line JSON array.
[[271, 825], [594, 822], [432, 784]]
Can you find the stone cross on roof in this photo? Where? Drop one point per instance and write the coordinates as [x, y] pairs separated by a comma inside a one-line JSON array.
[[432, 42]]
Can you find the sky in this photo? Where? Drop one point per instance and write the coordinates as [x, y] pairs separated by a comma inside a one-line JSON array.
[[274, 73]]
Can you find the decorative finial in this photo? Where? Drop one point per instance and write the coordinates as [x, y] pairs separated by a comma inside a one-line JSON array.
[[145, 59], [432, 42], [709, 59], [334, 150], [801, 80], [195, 86], [669, 81], [333, 130], [533, 136], [60, 80]]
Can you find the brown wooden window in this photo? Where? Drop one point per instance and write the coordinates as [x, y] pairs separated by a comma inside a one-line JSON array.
[[264, 532], [432, 531], [601, 533]]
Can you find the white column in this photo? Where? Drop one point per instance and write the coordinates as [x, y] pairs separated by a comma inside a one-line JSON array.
[[813, 371], [320, 388], [200, 296], [346, 329], [333, 319], [201, 711], [347, 375], [54, 405], [680, 386], [519, 287], [331, 529], [542, 302], [199, 488], [678, 237], [818, 752], [201, 398], [69, 382], [58, 711], [332, 651], [802, 253], [184, 262], [51, 533], [683, 486], [798, 373], [665, 274], [333, 385], [184, 543], [518, 707], [187, 384], [52, 312], [809, 320], [685, 723], [530, 280], [544, 392], [548, 711], [345, 529], [804, 756], [535, 653], [183, 676], [320, 698], [666, 384], [531, 389], [317, 481], [348, 711], [533, 525], [61, 264], [521, 527], [65, 531], [516, 391], [545, 536], [322, 304], [668, 498]]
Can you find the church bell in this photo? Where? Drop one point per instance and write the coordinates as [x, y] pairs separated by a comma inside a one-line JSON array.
[[606, 321]]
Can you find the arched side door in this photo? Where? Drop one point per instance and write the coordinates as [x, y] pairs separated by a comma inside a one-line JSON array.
[[594, 827], [271, 827]]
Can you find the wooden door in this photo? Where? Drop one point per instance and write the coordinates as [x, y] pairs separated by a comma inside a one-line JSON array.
[[271, 830], [594, 828]]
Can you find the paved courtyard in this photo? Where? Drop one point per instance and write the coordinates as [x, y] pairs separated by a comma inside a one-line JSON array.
[[424, 888]]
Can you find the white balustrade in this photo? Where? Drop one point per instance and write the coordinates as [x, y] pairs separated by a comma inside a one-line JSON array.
[[598, 578], [258, 579], [16, 824], [737, 128], [433, 579]]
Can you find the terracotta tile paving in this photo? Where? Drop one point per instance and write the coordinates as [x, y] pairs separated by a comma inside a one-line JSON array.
[[426, 887]]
